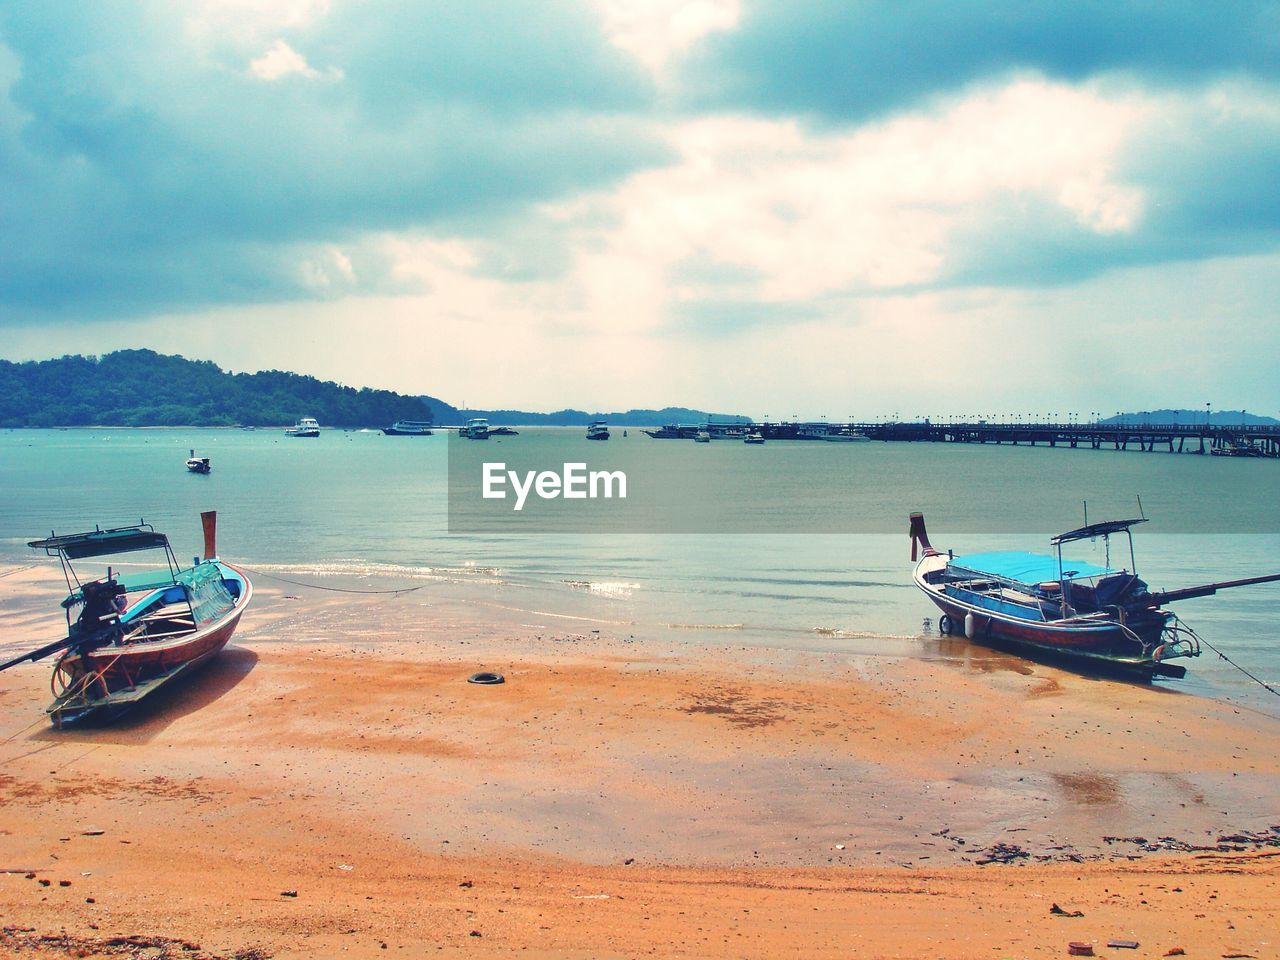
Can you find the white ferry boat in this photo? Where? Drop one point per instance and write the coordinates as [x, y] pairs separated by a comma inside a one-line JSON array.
[[306, 427], [477, 428]]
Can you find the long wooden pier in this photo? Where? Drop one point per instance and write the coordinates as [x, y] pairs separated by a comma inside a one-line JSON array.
[[1257, 442], [1217, 440]]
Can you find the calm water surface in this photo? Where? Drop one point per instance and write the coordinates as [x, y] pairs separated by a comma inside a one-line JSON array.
[[363, 504]]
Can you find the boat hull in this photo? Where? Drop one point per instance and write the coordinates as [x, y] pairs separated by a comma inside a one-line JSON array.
[[1133, 646], [121, 676]]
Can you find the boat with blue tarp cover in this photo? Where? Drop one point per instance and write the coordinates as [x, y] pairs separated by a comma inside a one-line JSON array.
[[1061, 605], [128, 635]]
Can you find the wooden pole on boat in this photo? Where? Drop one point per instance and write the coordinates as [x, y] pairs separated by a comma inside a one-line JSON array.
[[1209, 589], [209, 520], [919, 536]]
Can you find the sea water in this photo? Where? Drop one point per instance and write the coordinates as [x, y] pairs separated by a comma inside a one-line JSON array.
[[360, 504]]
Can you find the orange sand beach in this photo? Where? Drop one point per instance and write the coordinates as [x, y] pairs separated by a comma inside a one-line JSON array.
[[332, 786]]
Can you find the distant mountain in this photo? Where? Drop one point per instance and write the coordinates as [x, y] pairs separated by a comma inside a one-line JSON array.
[[142, 388], [447, 414], [1218, 418]]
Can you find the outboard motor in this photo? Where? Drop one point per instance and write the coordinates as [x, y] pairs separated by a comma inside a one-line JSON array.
[[100, 613], [1120, 590]]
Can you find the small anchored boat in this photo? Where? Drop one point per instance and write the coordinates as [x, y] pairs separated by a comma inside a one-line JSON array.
[[1053, 604], [198, 464], [134, 634], [598, 430], [477, 428], [306, 427]]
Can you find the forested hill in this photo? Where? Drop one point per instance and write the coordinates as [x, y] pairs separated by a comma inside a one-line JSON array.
[[1219, 418], [136, 388]]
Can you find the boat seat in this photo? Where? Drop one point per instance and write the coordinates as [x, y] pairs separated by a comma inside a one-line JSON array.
[[176, 621], [148, 636], [181, 613], [163, 610], [1017, 596]]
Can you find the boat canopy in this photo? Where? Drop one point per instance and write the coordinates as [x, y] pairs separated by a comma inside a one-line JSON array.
[[1091, 530], [101, 543], [1025, 567]]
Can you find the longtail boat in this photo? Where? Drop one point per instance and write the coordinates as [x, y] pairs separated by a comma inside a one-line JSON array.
[[129, 635], [1053, 604]]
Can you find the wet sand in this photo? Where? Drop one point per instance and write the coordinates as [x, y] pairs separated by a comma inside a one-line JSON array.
[[621, 795]]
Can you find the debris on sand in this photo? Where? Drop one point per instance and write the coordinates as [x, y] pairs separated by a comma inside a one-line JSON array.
[[1002, 853], [21, 939]]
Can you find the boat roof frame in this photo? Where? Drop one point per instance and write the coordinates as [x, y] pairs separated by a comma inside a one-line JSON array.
[[1103, 528], [104, 543]]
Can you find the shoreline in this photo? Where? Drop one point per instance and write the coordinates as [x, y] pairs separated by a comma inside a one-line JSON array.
[[340, 730]]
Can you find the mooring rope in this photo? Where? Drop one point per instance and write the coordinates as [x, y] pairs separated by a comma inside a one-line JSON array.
[[10, 573], [317, 586], [19, 733], [1262, 683]]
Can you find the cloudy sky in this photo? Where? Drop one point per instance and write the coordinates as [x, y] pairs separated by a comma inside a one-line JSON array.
[[762, 206]]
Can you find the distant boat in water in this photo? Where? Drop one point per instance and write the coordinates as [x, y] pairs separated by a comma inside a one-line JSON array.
[[847, 436], [306, 427], [702, 436], [503, 432], [1234, 448], [674, 431], [1101, 614], [598, 430], [198, 464], [756, 437], [409, 428], [477, 428]]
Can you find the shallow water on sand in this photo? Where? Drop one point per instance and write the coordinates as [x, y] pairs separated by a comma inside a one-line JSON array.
[[360, 508]]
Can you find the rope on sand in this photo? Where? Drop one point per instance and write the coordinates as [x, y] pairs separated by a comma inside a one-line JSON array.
[[15, 735], [317, 586]]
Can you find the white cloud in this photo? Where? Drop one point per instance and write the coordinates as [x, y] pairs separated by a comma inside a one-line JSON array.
[[655, 31], [771, 212], [327, 271], [281, 61], [249, 22]]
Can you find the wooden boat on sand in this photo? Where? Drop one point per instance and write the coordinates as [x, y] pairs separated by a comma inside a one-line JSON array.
[[1056, 605], [132, 634]]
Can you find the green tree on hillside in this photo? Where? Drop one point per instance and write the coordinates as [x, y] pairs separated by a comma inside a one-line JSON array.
[[138, 388]]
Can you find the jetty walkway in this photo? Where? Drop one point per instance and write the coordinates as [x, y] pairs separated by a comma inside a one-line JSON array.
[[1259, 442]]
